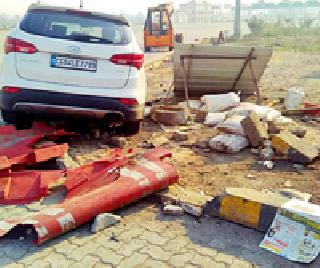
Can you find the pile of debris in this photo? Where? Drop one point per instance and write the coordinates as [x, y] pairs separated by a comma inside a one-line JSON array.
[[290, 222], [100, 187], [242, 124]]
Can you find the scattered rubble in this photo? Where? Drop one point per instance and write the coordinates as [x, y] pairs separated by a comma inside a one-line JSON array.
[[189, 201], [173, 210], [213, 119], [228, 143], [169, 115], [103, 221], [119, 142], [232, 125], [180, 136], [296, 149], [255, 129], [268, 164], [200, 116], [220, 102]]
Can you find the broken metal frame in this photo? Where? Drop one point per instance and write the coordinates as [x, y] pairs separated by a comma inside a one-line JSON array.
[[247, 61], [104, 187]]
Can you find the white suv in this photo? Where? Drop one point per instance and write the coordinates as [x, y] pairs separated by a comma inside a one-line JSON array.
[[62, 61]]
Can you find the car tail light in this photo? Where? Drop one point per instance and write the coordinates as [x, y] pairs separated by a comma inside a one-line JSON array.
[[134, 60], [129, 102], [16, 45], [11, 89]]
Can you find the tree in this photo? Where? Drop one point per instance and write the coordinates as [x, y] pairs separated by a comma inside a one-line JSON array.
[[256, 26]]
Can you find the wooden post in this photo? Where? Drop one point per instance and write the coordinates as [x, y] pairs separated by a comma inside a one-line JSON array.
[[247, 60], [255, 82], [185, 82]]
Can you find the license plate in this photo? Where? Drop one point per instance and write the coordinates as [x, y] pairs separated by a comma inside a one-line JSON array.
[[73, 63]]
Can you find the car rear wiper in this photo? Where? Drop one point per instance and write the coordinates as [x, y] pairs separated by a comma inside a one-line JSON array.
[[79, 37]]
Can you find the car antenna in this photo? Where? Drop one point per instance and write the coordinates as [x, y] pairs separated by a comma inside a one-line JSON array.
[[81, 3]]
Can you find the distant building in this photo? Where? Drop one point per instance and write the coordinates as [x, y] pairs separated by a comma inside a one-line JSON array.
[[197, 11], [295, 10]]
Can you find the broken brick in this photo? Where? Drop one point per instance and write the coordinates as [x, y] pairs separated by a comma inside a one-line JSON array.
[[255, 129], [173, 210], [170, 115], [103, 221], [119, 142], [202, 144], [200, 116], [299, 150], [180, 136]]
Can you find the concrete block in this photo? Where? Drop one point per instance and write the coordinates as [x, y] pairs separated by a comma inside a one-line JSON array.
[[298, 150], [202, 144], [200, 116], [248, 207], [173, 210], [169, 115], [255, 129], [180, 136], [191, 202], [119, 142], [103, 221]]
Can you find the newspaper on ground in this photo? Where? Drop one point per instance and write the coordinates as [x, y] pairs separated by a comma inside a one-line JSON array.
[[295, 232]]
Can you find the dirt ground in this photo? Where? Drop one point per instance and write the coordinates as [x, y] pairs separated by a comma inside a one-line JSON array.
[[209, 172]]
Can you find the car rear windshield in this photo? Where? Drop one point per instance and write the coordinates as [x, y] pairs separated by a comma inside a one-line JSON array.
[[76, 26]]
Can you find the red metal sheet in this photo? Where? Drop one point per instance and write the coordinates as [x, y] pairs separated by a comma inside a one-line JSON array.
[[26, 186], [316, 108], [136, 180], [16, 146], [46, 153]]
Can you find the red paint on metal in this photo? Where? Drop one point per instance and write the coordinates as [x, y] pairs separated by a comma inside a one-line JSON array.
[[316, 108], [46, 153], [16, 146], [134, 181], [26, 186]]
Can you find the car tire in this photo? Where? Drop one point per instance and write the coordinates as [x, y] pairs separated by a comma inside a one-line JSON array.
[[9, 117], [131, 127], [147, 49], [171, 48]]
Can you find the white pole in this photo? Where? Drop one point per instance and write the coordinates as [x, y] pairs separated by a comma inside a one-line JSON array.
[[237, 20]]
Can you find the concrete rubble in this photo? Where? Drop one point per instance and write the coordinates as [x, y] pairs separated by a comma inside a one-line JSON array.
[[298, 150], [173, 210], [190, 202], [243, 124], [169, 115], [180, 136], [103, 221], [256, 130]]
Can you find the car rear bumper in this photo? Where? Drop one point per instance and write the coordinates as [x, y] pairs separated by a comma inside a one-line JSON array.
[[53, 103]]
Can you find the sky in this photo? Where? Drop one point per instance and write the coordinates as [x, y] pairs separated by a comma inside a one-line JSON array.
[[119, 6]]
